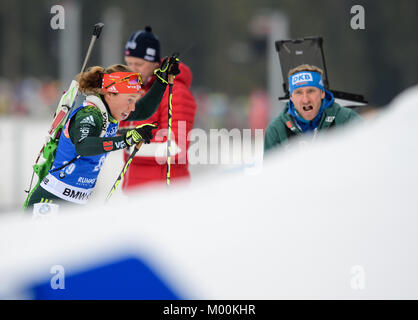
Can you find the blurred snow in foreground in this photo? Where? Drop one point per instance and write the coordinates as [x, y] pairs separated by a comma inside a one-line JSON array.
[[335, 220]]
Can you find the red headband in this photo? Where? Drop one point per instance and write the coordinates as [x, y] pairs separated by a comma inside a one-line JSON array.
[[122, 82]]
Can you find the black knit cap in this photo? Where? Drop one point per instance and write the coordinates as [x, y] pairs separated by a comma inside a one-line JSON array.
[[143, 44]]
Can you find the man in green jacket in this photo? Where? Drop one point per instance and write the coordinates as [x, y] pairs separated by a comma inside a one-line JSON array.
[[311, 108]]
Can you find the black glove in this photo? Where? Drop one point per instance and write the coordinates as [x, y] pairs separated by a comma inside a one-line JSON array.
[[142, 132], [169, 66]]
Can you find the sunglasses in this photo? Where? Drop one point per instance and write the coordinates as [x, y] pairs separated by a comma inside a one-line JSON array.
[[132, 79]]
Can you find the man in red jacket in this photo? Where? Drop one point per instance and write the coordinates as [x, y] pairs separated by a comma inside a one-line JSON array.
[[142, 54]]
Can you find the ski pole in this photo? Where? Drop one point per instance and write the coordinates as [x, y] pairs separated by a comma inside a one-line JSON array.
[[170, 110], [97, 28], [68, 98], [59, 117], [124, 169]]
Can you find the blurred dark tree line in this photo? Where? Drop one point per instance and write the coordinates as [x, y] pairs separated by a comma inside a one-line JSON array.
[[378, 62]]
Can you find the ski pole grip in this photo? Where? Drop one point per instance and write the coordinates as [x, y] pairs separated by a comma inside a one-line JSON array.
[[98, 29], [170, 76]]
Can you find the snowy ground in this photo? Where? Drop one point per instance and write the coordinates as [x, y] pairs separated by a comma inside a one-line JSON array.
[[335, 219]]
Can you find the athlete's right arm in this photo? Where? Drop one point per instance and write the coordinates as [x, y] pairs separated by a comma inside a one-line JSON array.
[[85, 129]]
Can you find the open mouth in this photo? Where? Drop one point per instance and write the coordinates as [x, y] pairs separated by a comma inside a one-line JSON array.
[[307, 108], [124, 115]]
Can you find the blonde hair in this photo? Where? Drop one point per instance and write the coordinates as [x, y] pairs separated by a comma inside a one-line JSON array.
[[305, 67], [90, 81]]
